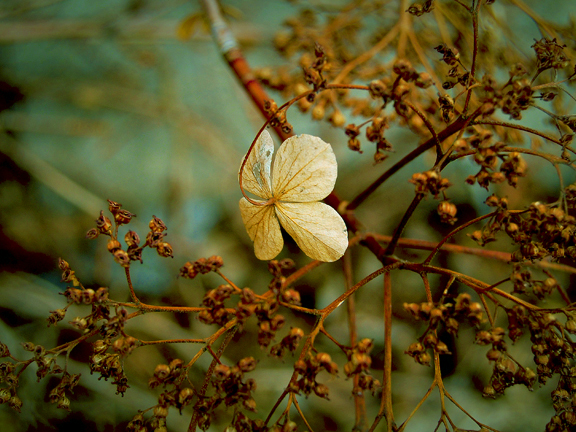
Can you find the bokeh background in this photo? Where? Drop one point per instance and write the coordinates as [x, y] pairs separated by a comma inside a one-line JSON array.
[[107, 100]]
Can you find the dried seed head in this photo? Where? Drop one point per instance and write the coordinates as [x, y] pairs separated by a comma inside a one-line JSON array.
[[165, 250], [221, 372], [162, 371], [247, 364], [123, 217], [103, 224], [321, 390], [156, 225]]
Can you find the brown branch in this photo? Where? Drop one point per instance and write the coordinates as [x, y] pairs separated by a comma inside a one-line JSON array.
[[451, 129], [359, 401]]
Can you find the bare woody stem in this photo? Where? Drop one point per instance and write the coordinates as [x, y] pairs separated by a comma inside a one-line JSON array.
[[451, 129], [474, 12]]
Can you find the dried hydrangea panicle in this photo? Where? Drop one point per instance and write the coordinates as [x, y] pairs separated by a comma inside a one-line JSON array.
[[303, 173]]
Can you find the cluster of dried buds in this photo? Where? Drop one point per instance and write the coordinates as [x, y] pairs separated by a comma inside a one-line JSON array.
[[264, 308], [10, 379], [554, 354], [550, 54], [215, 311], [269, 321], [506, 372], [154, 238], [313, 73], [304, 37], [288, 343], [280, 270], [308, 369], [108, 365], [449, 315], [496, 165], [418, 9], [523, 281], [512, 98], [429, 182], [230, 389], [358, 366], [78, 294], [399, 90], [374, 133], [564, 403], [45, 361], [359, 360], [517, 98], [517, 94], [457, 74], [170, 377], [46, 365], [543, 230], [447, 212], [58, 394], [277, 117], [446, 104], [552, 348], [201, 266]]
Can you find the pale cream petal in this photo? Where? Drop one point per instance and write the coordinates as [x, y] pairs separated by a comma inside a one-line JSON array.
[[256, 173], [304, 170], [263, 228], [316, 227]]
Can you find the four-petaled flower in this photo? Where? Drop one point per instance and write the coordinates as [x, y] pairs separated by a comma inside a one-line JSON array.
[[304, 173]]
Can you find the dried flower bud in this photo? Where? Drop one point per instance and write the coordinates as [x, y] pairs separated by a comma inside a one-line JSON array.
[[113, 206], [160, 411], [123, 217], [447, 212], [337, 119], [156, 225], [270, 106], [323, 359], [277, 322], [321, 390], [247, 364], [354, 145], [378, 89], [92, 233], [318, 112], [221, 372], [55, 317], [365, 345], [249, 404], [101, 295], [188, 271], [122, 258], [185, 396], [15, 403], [4, 351], [113, 245], [165, 250], [291, 296], [5, 395], [103, 224], [132, 239], [215, 262], [162, 371], [424, 80]]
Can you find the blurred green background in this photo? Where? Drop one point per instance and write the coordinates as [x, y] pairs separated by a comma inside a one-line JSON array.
[[101, 100]]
